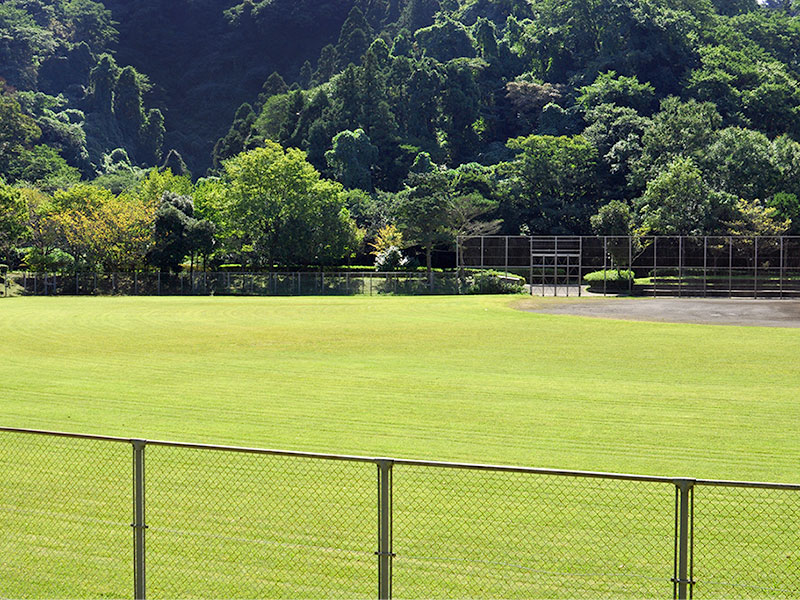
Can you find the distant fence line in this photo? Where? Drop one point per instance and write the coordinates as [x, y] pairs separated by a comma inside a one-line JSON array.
[[214, 521], [704, 265], [240, 283]]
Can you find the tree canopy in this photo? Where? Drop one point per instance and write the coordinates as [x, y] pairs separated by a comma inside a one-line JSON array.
[[555, 116]]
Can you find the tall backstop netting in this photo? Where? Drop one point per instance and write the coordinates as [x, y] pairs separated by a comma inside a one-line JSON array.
[[709, 266]]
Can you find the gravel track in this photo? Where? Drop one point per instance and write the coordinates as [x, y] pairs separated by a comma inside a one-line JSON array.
[[742, 312]]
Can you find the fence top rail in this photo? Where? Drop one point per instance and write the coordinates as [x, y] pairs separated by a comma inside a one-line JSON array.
[[200, 273], [412, 462], [625, 237]]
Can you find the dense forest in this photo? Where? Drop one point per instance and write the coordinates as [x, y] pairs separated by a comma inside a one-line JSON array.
[[294, 132]]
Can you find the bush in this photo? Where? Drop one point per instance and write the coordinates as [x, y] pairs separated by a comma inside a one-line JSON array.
[[56, 261], [614, 279], [503, 275], [489, 283], [391, 259]]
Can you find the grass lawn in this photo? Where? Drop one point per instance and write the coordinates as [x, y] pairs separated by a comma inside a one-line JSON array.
[[447, 378]]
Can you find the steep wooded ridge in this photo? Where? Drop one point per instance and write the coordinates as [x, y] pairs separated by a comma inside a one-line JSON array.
[[547, 116]]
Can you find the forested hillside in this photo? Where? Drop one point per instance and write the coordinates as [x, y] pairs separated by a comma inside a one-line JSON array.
[[434, 117]]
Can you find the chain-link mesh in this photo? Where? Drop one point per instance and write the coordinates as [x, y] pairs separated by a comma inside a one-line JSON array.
[[746, 542], [246, 525], [707, 266], [370, 283], [65, 518], [236, 525], [486, 534]]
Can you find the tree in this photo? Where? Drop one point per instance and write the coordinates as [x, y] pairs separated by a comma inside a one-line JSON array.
[[616, 132], [422, 164], [403, 44], [433, 211], [285, 212], [157, 182], [787, 209], [44, 166], [550, 185], [174, 162], [326, 65], [749, 87], [128, 103], [12, 223], [485, 36], [610, 88], [678, 202], [422, 212], [102, 230], [680, 129], [615, 219], [352, 158], [739, 162], [91, 23], [201, 240], [177, 234], [306, 73], [238, 135], [753, 218], [418, 14], [273, 86], [459, 102], [346, 99], [151, 137], [445, 41], [103, 78], [387, 237], [786, 160], [17, 133], [353, 39], [173, 222], [41, 230]]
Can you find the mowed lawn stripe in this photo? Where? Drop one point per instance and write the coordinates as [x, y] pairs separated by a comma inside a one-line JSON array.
[[453, 378]]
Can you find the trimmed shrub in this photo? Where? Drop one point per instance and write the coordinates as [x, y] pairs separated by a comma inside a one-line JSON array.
[[489, 283], [614, 280]]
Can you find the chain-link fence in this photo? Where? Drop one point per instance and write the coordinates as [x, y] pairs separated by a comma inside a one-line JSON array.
[[228, 283], [708, 266], [91, 516]]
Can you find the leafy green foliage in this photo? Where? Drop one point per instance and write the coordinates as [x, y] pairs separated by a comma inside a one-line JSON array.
[[537, 112], [490, 283], [610, 279], [550, 186], [284, 210], [679, 202], [351, 158], [12, 223]]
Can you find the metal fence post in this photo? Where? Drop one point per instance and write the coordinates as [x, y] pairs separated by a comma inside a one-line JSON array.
[[755, 267], [605, 263], [630, 265], [655, 266], [684, 528], [139, 526], [680, 266], [580, 265], [384, 552], [781, 272]]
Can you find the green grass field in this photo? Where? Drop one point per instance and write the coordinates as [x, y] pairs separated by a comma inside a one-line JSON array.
[[446, 378], [453, 378]]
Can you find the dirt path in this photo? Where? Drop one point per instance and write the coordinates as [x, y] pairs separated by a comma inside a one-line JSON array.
[[745, 312]]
